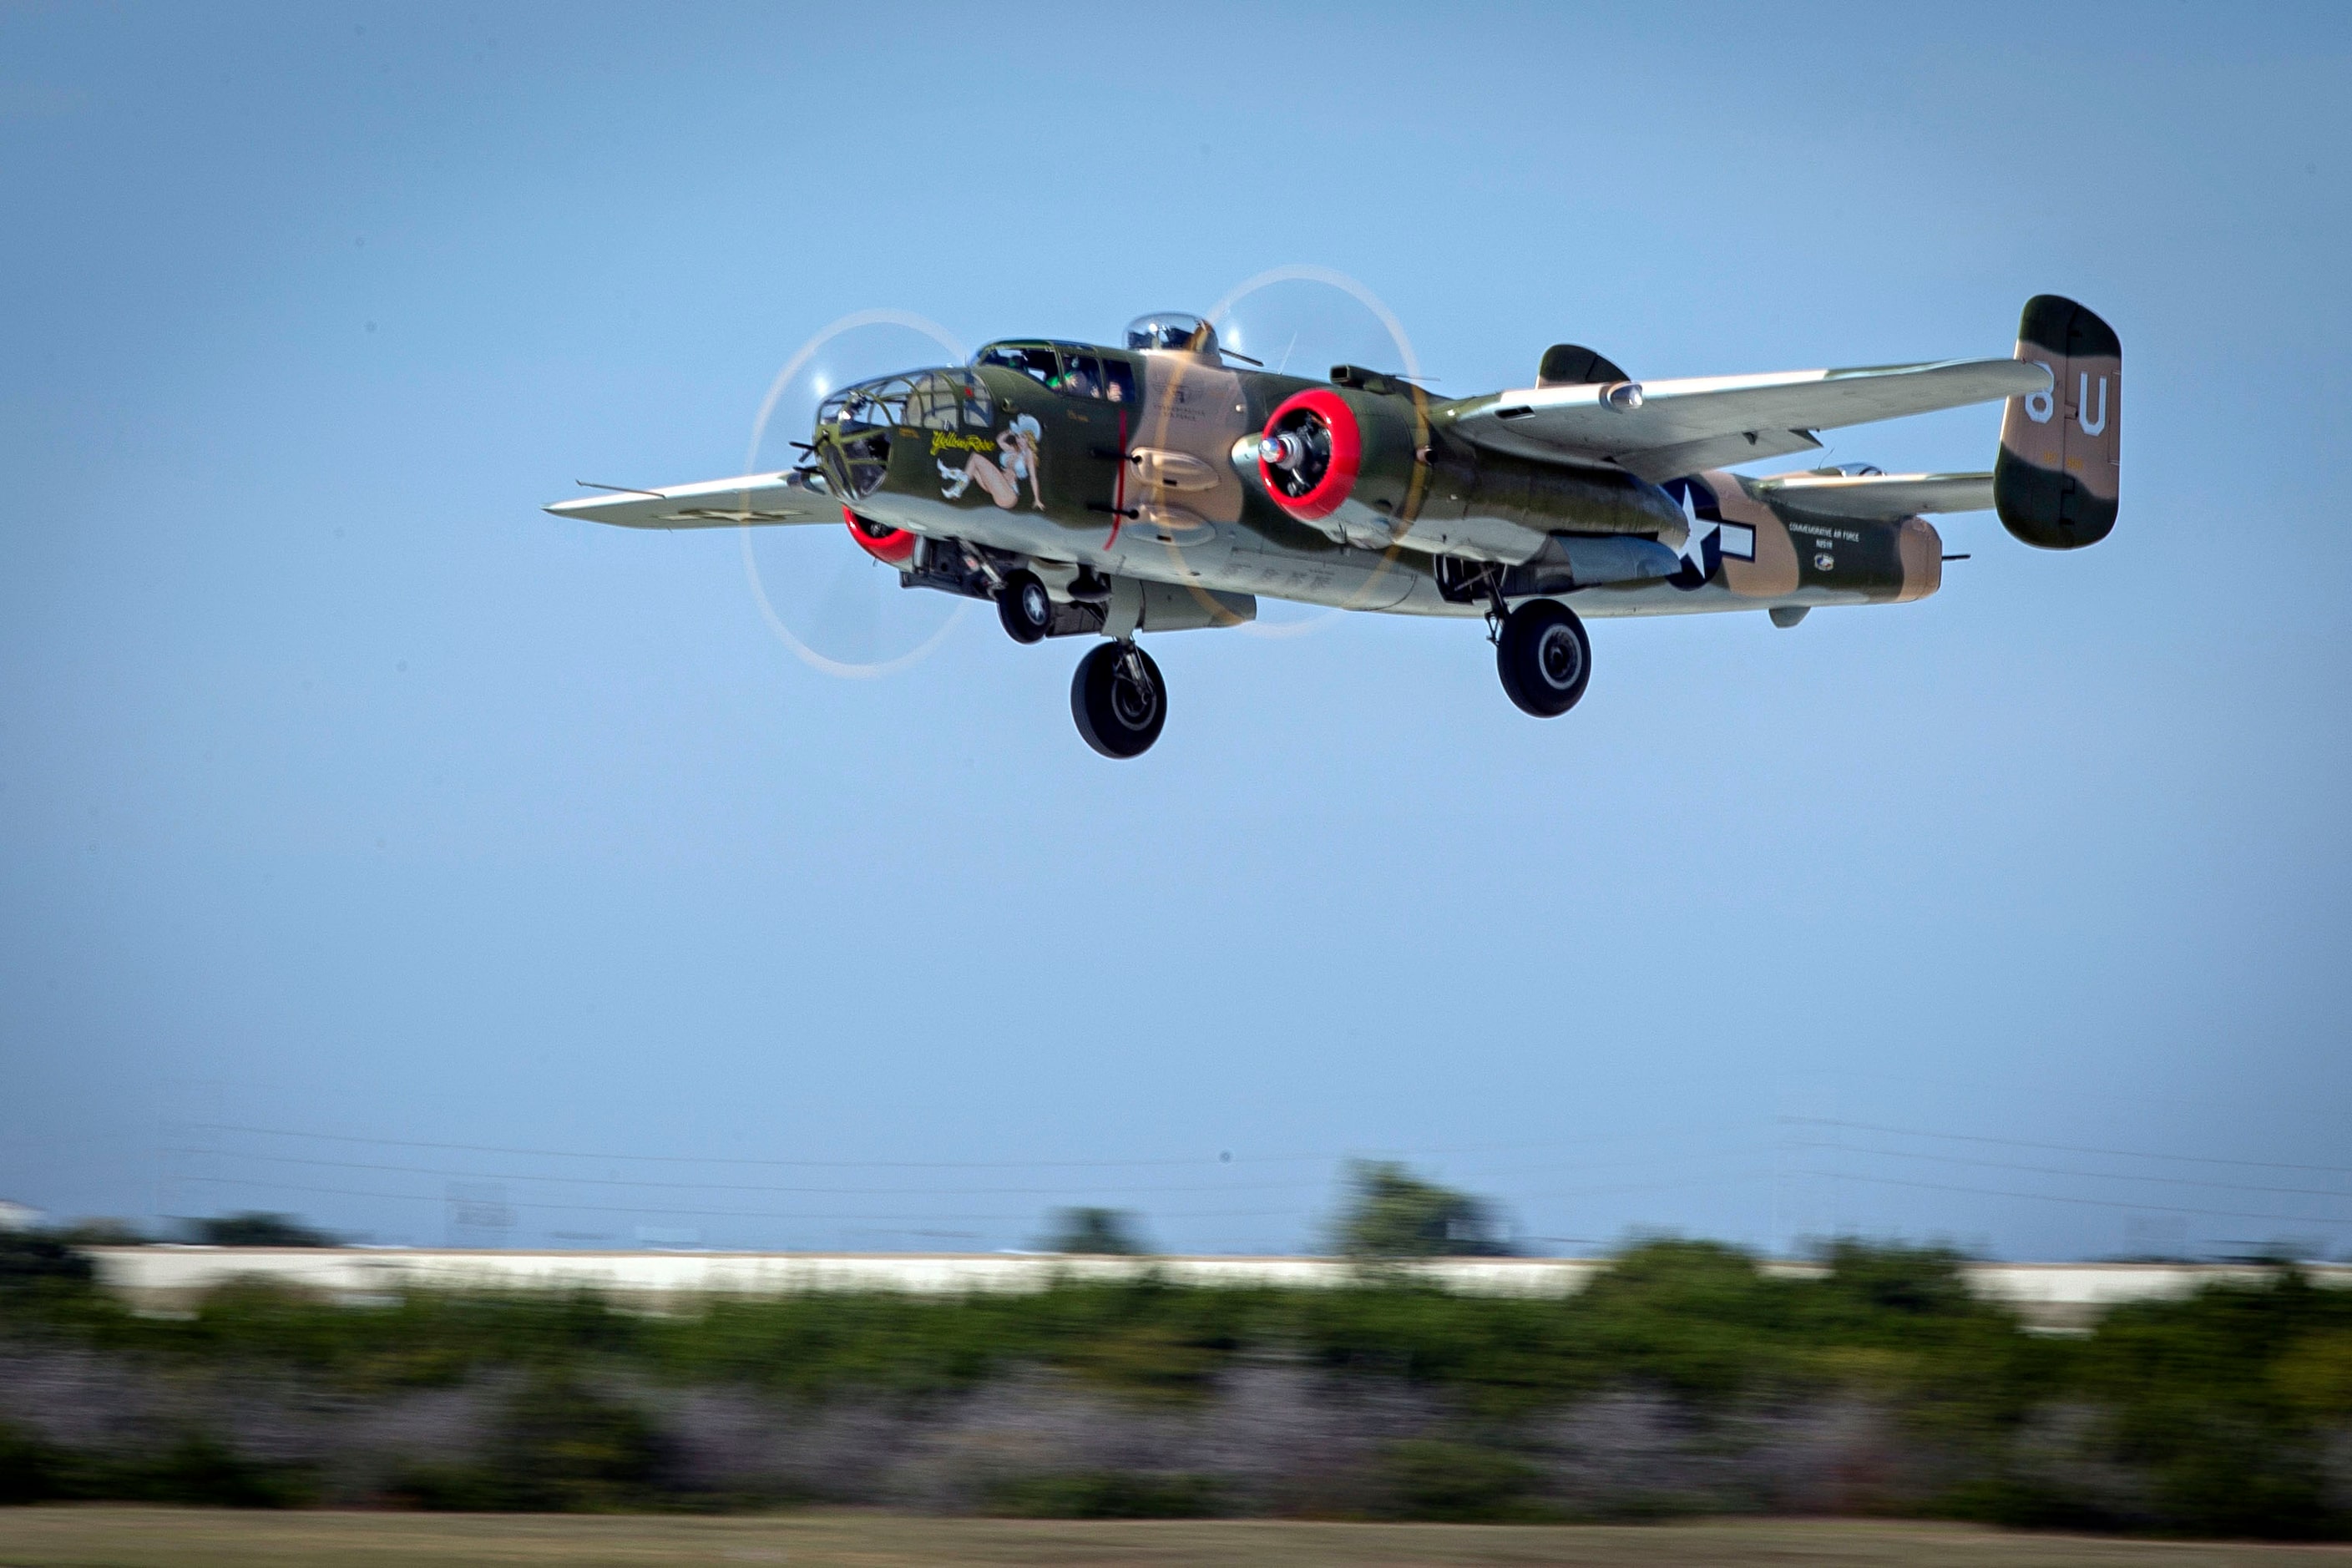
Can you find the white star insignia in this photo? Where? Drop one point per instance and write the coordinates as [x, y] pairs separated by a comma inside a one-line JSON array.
[[1693, 549]]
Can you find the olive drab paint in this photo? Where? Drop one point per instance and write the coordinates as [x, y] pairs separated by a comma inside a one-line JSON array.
[[1159, 487], [2055, 482], [1085, 465]]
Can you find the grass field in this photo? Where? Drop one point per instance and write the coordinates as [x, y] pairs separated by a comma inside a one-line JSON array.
[[110, 1536]]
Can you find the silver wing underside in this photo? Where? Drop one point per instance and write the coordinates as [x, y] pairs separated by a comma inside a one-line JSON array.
[[1667, 429], [712, 503]]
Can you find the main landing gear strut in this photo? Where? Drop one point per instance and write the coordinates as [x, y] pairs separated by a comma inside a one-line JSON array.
[[1117, 697], [1118, 700]]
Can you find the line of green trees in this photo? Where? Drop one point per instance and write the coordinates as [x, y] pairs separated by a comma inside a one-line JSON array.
[[248, 1228], [1386, 1211], [2230, 1411]]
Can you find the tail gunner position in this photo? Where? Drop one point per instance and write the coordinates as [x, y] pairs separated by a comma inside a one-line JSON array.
[[1108, 492]]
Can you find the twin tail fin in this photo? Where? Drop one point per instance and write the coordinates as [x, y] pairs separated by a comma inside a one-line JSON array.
[[2054, 482]]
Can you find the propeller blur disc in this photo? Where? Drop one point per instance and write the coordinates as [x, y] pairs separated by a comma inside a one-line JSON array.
[[836, 607], [1302, 320]]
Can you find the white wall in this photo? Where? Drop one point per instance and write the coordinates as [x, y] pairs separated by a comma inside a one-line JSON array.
[[2052, 1296]]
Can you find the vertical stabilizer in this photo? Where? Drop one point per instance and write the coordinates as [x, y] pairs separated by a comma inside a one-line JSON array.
[[2054, 482]]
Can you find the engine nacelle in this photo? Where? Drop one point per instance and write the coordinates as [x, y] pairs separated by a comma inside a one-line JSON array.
[[1343, 461], [891, 546]]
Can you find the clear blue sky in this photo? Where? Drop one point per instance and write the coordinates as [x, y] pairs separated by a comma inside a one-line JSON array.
[[341, 791]]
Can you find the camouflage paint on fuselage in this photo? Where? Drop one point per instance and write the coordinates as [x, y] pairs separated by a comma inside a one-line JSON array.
[[1084, 458], [2056, 482]]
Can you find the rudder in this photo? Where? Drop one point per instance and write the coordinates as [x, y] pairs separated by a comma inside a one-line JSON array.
[[2055, 481]]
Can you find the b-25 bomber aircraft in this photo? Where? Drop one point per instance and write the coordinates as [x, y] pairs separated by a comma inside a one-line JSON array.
[[1164, 484]]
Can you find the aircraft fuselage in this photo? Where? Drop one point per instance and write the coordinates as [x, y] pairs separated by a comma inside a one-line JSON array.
[[1090, 463]]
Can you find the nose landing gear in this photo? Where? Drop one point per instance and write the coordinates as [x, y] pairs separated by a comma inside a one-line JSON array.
[[1118, 700], [1024, 607], [1544, 657]]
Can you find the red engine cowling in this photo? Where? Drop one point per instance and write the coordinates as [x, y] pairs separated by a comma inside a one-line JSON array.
[[1310, 454], [890, 546], [1346, 459]]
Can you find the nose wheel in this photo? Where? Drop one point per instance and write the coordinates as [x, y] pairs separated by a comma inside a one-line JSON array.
[[1544, 657], [1024, 607], [1118, 700]]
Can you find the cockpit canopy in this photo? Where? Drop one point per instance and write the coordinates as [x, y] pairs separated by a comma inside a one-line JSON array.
[[1179, 330], [941, 399], [1073, 370], [854, 427]]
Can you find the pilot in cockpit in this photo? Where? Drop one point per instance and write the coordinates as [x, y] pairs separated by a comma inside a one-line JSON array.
[[1180, 331]]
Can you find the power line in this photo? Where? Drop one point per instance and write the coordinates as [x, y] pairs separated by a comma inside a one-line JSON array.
[[2064, 1148], [2056, 1198], [239, 1154], [710, 1213], [734, 1187], [1558, 1194], [1554, 1195], [930, 1164], [2091, 1175], [2005, 1088], [704, 1158], [1636, 1162]]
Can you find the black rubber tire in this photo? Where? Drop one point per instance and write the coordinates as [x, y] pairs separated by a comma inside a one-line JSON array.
[[1544, 657], [1115, 718], [1024, 607]]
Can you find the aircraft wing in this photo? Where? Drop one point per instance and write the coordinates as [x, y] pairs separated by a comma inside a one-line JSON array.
[[713, 503], [1664, 429], [1876, 498]]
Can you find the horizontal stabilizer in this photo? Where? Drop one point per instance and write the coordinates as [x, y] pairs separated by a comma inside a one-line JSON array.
[[1666, 430], [713, 503], [1876, 498]]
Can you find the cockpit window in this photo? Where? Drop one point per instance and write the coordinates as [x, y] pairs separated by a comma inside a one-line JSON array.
[[1082, 376], [948, 400], [855, 426], [880, 402], [1071, 369], [1035, 360], [1178, 330], [1087, 375]]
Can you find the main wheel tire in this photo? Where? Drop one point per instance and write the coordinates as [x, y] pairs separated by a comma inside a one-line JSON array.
[[1024, 607], [1118, 716], [1544, 657]]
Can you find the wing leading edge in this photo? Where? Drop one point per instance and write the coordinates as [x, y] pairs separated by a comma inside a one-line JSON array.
[[1666, 430]]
